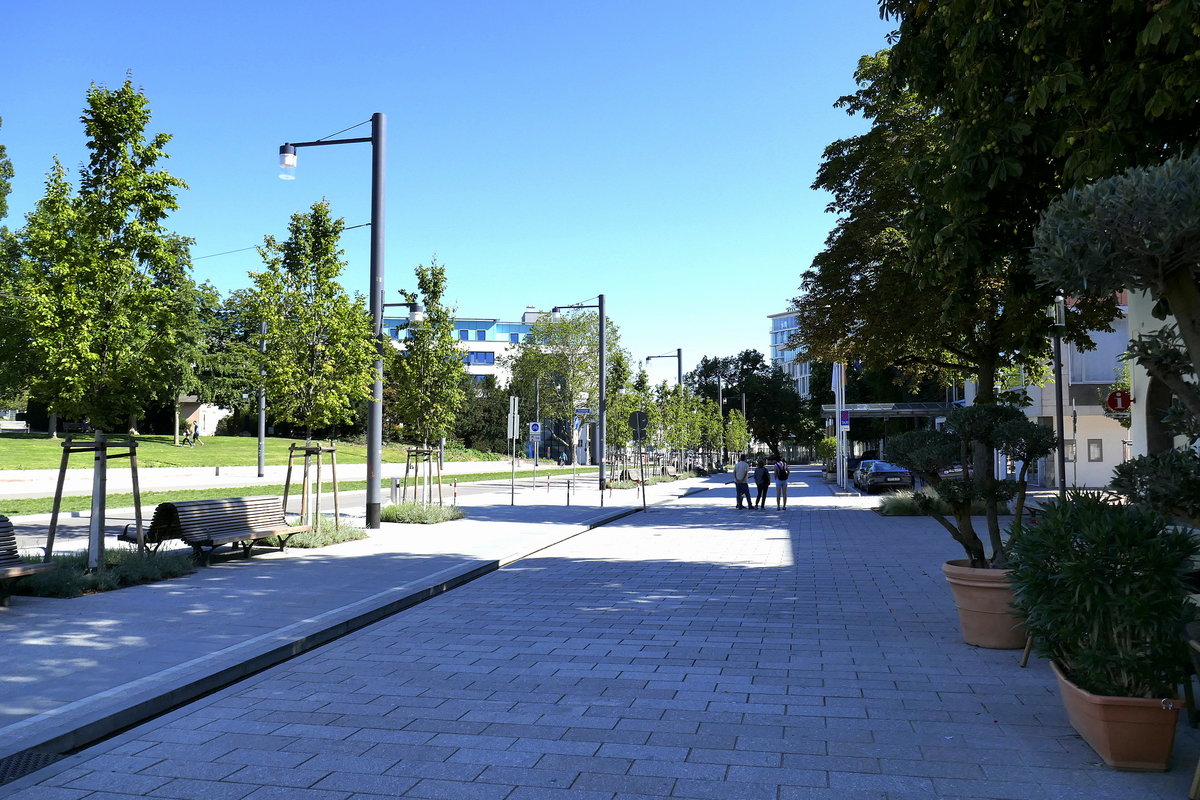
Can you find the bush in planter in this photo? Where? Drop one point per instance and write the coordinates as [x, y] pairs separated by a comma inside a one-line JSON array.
[[1102, 586], [971, 434]]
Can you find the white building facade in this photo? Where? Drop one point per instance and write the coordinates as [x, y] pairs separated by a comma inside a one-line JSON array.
[[483, 340]]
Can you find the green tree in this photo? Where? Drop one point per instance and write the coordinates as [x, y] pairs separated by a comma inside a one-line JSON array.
[[227, 366], [1136, 230], [6, 174], [737, 432], [483, 421], [320, 348], [426, 381], [106, 322], [1033, 100], [565, 350]]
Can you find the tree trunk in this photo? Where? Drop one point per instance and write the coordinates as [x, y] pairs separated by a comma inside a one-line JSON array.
[[53, 425], [133, 425]]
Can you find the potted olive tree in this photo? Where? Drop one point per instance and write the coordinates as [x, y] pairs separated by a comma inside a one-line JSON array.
[[978, 582], [1103, 588]]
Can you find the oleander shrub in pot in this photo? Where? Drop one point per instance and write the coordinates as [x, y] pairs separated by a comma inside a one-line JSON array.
[[1103, 589]]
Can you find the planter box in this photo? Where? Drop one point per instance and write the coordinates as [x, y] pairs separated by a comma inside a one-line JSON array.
[[984, 600], [1132, 733]]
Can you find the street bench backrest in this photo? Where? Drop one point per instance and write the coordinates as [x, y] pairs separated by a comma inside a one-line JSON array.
[[196, 517], [9, 557]]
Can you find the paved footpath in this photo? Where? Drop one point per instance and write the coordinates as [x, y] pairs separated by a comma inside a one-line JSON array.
[[692, 651]]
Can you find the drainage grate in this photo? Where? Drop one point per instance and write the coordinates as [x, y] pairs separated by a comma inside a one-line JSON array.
[[21, 764]]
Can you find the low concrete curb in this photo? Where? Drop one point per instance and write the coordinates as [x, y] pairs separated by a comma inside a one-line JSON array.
[[92, 719]]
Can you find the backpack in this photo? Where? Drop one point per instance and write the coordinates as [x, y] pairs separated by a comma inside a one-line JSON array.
[[781, 471]]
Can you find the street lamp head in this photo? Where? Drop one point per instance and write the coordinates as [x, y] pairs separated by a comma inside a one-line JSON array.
[[287, 162], [416, 313]]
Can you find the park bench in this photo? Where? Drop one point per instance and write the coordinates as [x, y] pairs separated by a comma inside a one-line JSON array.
[[207, 524], [11, 564], [18, 426]]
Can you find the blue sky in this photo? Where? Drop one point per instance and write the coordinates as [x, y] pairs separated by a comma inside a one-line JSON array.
[[658, 151]]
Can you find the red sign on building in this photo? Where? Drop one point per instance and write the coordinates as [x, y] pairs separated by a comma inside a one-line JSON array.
[[1118, 401]]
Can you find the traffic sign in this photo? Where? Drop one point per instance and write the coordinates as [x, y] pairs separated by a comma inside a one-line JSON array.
[[583, 411], [1118, 400], [844, 422], [535, 431], [637, 421]]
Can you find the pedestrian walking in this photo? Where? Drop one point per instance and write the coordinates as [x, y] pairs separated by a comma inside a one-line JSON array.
[[187, 436], [741, 482], [196, 435], [781, 483], [762, 482]]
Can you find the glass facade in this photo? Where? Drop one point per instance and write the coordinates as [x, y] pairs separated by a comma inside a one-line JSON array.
[[790, 360]]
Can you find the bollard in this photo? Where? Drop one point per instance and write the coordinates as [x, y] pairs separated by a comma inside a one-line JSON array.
[[395, 491], [218, 472], [454, 484], [568, 491]]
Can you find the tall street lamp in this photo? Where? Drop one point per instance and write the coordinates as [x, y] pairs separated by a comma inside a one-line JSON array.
[[287, 163], [602, 411], [678, 354], [1059, 315]]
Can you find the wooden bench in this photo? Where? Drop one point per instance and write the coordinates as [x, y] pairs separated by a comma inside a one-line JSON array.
[[11, 564], [14, 425], [207, 524]]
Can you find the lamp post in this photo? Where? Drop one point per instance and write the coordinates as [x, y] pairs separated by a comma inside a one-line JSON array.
[[678, 354], [602, 410], [377, 140], [262, 401], [1059, 314]]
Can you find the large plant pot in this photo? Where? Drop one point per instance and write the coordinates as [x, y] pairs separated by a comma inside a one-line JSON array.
[[984, 600], [1133, 733]]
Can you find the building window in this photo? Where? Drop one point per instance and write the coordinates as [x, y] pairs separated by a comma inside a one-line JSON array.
[[1095, 450], [481, 336], [515, 338], [477, 358], [1069, 449], [464, 334]]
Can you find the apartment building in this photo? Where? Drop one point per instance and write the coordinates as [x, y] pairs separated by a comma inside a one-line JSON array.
[[484, 340]]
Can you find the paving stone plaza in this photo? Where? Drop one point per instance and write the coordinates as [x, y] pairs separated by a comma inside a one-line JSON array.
[[688, 651]]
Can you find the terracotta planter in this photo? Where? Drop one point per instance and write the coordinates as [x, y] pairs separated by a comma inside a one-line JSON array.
[[1133, 733], [984, 601]]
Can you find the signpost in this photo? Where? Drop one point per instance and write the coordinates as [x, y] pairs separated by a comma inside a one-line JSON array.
[[535, 438], [514, 433]]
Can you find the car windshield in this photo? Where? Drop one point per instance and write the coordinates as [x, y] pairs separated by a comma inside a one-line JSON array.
[[883, 466]]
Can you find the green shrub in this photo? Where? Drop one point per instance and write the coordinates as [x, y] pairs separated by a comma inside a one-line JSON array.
[[916, 504], [324, 533], [420, 513], [123, 567], [1103, 590]]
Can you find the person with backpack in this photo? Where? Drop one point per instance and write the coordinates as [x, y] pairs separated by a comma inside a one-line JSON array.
[[781, 484], [762, 482]]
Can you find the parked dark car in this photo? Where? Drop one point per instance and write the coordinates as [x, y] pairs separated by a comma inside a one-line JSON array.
[[861, 471], [955, 472], [882, 476]]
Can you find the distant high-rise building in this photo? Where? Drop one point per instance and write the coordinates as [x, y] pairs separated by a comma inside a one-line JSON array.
[[783, 325]]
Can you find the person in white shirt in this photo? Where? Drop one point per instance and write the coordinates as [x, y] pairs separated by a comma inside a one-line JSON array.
[[741, 482]]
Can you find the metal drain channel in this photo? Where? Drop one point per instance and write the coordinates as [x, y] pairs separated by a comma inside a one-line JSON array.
[[18, 765]]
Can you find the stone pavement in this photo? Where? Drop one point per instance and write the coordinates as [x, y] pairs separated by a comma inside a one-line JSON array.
[[73, 670], [692, 651]]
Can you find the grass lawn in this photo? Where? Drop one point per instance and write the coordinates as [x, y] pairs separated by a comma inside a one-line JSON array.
[[44, 505], [35, 451]]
